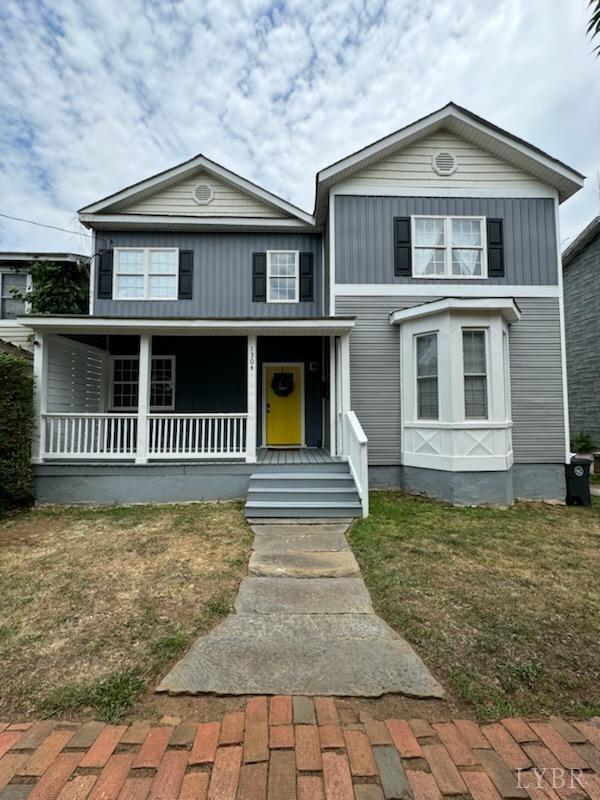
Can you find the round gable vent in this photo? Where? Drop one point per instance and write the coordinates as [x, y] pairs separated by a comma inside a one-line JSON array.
[[203, 194], [444, 162]]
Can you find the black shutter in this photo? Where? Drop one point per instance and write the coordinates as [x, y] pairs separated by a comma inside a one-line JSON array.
[[105, 275], [186, 274], [495, 248], [402, 253], [306, 276], [259, 276]]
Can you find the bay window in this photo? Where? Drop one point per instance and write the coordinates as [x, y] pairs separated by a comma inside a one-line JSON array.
[[448, 247], [145, 273], [455, 397]]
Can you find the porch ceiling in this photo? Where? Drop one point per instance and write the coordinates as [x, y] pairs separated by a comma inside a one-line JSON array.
[[289, 326]]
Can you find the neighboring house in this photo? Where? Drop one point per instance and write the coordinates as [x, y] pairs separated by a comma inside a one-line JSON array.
[[581, 278], [238, 344], [14, 275]]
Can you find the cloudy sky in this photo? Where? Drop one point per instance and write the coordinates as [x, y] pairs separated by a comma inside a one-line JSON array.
[[97, 94]]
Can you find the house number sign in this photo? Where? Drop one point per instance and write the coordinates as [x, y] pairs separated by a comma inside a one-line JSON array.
[[251, 357]]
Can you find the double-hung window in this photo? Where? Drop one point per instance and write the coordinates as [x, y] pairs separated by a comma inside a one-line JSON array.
[[125, 383], [449, 247], [146, 273], [12, 307], [427, 376], [475, 373], [282, 276]]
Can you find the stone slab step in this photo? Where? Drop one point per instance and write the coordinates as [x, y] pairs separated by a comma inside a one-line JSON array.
[[299, 543], [303, 596], [339, 564], [293, 528], [306, 654]]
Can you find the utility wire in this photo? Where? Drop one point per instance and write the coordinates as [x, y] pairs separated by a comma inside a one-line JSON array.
[[42, 225]]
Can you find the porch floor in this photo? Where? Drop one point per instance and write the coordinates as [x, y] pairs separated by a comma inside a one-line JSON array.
[[294, 455]]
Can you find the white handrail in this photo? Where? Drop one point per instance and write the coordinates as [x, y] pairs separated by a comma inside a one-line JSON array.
[[355, 449]]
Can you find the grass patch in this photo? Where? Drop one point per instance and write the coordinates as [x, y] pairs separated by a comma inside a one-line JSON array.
[[96, 603], [504, 606]]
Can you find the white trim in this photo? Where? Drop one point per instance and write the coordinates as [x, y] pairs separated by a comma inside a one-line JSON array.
[[134, 221], [428, 124], [252, 399], [448, 247], [321, 326], [563, 345], [414, 289], [40, 397], [264, 401], [144, 390], [332, 256], [505, 307], [146, 274], [199, 163], [296, 254], [355, 188], [332, 397], [111, 382], [92, 274]]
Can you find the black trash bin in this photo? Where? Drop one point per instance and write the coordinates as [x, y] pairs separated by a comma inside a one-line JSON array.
[[578, 481]]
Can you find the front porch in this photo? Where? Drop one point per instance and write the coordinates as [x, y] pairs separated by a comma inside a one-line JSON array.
[[156, 398]]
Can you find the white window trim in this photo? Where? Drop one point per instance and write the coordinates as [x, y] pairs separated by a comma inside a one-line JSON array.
[[134, 409], [448, 247], [146, 275], [296, 254], [488, 399], [13, 272], [416, 336]]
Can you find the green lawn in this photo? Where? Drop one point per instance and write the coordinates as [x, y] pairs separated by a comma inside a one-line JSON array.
[[504, 606], [96, 603]]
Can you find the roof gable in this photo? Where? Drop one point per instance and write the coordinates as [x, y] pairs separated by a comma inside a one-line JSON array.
[[585, 238], [169, 193], [468, 127]]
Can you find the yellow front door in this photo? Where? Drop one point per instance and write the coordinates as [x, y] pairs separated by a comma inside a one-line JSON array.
[[284, 405]]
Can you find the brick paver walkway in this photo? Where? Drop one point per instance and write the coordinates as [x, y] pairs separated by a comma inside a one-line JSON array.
[[285, 748]]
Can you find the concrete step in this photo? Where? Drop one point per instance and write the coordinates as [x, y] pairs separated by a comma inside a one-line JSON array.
[[303, 596], [300, 479], [339, 564], [324, 467]]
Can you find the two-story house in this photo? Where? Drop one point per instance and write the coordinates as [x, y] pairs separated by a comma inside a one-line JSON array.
[[237, 345]]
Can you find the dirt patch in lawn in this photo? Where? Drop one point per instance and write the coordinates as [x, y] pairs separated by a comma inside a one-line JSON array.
[[503, 606], [96, 604]]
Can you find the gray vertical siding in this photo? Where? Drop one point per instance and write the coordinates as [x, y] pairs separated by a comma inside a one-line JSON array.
[[222, 285], [536, 385], [364, 250], [582, 323]]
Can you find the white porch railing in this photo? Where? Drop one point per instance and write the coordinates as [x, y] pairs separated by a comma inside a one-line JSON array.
[[197, 435], [355, 449], [89, 435], [114, 436]]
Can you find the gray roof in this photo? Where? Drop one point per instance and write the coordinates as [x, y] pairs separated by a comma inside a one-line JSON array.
[[587, 235], [7, 256]]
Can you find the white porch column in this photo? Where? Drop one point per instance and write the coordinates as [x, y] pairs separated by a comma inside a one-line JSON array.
[[141, 456], [345, 371], [40, 396], [251, 402], [333, 402]]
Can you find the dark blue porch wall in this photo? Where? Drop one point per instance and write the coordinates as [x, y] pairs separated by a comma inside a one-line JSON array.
[[222, 282], [210, 371], [305, 349]]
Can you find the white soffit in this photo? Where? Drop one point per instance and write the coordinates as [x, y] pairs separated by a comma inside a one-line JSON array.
[[499, 305]]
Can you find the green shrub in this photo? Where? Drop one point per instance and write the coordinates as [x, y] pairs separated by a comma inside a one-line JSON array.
[[582, 442], [16, 425]]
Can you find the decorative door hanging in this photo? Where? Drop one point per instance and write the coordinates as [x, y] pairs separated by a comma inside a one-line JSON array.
[[282, 383]]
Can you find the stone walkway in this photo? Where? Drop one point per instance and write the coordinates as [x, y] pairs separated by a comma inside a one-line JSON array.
[[304, 624], [297, 748]]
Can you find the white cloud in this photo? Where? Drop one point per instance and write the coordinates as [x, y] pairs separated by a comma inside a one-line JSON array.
[[95, 95]]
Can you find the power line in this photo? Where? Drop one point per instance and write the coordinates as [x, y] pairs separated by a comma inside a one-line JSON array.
[[42, 225]]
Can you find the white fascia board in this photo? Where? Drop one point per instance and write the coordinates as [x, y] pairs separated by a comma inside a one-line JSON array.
[[190, 326], [443, 290], [504, 306], [198, 163], [356, 189], [152, 220]]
